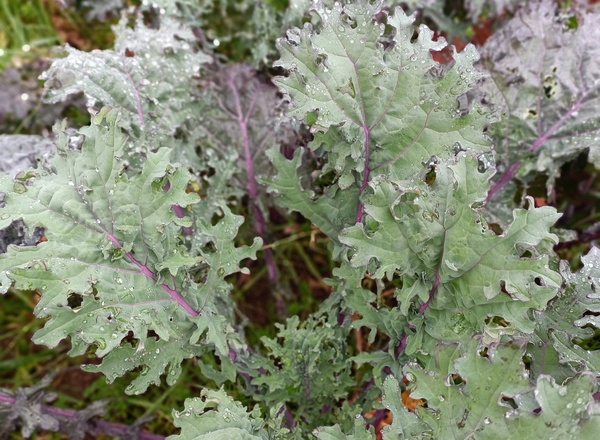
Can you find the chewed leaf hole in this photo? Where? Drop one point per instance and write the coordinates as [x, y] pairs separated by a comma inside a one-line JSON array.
[[496, 320], [539, 281], [430, 176], [74, 301]]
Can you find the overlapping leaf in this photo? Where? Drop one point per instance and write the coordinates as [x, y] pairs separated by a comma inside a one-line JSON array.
[[360, 432], [469, 393], [546, 77], [566, 410], [215, 415], [473, 408], [379, 103], [239, 116], [570, 317], [148, 75], [113, 265], [329, 213], [433, 237], [406, 425]]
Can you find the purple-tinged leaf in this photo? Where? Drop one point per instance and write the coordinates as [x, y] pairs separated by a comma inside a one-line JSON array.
[[545, 77]]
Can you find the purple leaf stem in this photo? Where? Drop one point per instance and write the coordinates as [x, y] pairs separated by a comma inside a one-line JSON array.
[[289, 419], [505, 179], [401, 346], [537, 144], [99, 426], [359, 214], [558, 123], [436, 284], [252, 190], [172, 293]]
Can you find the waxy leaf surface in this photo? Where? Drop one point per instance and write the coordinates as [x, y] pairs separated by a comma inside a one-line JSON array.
[[114, 265], [434, 238], [375, 99]]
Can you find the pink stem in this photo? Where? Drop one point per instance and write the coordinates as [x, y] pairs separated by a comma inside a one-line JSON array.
[[436, 284], [252, 190], [558, 123], [172, 293], [537, 144], [504, 180], [365, 182]]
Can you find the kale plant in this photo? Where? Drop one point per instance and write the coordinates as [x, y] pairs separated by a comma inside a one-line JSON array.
[[419, 175]]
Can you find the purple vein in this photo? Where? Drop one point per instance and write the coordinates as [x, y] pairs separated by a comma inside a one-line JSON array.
[[138, 100], [503, 180], [147, 272], [538, 143], [252, 190], [436, 282], [544, 137], [366, 131], [172, 293], [359, 212], [558, 123]]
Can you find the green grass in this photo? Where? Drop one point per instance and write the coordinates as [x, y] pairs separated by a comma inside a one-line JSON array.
[[26, 31]]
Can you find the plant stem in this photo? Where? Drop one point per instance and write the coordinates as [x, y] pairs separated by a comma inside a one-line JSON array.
[[537, 144], [98, 427], [365, 182], [172, 293], [252, 190]]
